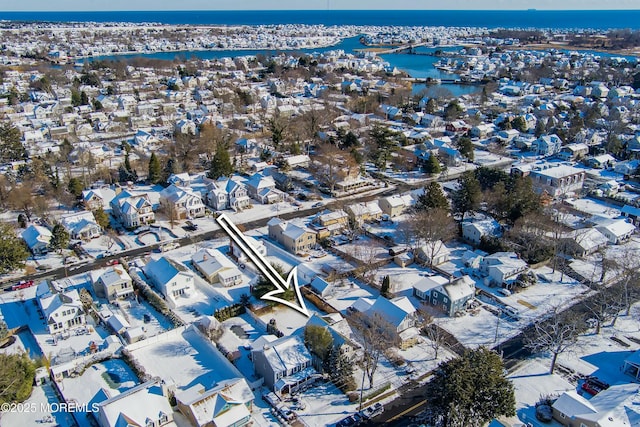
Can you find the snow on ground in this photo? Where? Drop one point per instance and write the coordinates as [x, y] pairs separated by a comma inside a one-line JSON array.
[[43, 409], [596, 355], [345, 293], [594, 207], [288, 320], [113, 376], [532, 381], [134, 313], [239, 333], [183, 356], [324, 404]]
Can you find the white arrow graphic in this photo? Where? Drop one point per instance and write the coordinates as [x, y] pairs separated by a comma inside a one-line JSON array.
[[265, 268]]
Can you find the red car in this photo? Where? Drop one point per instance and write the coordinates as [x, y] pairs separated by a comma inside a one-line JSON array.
[[593, 385], [23, 284], [113, 262]]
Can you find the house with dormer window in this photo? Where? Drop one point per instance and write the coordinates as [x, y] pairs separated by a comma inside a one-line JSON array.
[[132, 210], [62, 310]]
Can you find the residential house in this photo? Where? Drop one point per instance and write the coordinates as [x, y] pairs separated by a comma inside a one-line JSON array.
[[433, 253], [294, 238], [453, 297], [37, 239], [144, 405], [615, 406], [215, 267], [170, 277], [400, 314], [227, 193], [632, 213], [474, 230], [186, 127], [483, 130], [557, 180], [603, 161], [321, 287], [228, 404], [396, 205], [62, 310], [422, 288], [547, 145], [263, 189], [616, 230], [340, 330], [97, 198], [298, 161], [112, 283], [180, 179], [257, 245], [81, 225], [502, 268], [364, 212], [285, 364], [132, 210], [574, 151], [331, 223], [181, 203], [584, 241]]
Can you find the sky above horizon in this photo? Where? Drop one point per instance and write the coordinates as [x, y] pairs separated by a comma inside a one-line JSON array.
[[123, 5]]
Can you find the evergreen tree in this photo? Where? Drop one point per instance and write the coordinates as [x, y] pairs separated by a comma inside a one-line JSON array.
[[59, 238], [125, 172], [84, 99], [318, 340], [221, 163], [155, 172], [465, 146], [432, 198], [102, 218], [75, 187], [340, 370], [468, 196], [519, 124], [17, 372], [471, 390], [11, 147], [432, 166], [13, 251], [386, 285], [431, 106]]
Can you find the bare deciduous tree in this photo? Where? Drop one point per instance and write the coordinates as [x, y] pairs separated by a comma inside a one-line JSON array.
[[556, 334]]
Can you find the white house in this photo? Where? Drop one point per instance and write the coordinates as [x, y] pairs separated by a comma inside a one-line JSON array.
[[616, 230], [62, 311], [144, 405], [81, 225], [227, 193], [181, 203], [547, 145], [132, 210], [557, 180], [502, 267], [37, 239], [257, 245], [215, 267], [474, 231], [263, 189], [227, 404], [433, 253], [172, 278]]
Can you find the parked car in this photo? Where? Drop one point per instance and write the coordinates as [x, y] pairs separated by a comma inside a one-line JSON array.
[[317, 205], [593, 385], [372, 411], [23, 284]]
